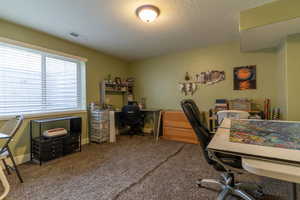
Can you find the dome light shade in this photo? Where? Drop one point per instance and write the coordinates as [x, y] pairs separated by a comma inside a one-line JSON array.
[[147, 13]]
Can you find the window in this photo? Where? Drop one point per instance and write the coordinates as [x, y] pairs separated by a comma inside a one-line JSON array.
[[36, 82]]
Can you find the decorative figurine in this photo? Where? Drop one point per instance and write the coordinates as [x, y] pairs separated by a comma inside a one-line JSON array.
[[187, 76]]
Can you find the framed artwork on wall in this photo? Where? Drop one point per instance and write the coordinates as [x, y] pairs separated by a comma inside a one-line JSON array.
[[244, 77], [191, 83]]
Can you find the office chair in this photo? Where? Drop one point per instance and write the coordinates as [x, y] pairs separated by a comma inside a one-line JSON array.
[[7, 133], [132, 117], [227, 164]]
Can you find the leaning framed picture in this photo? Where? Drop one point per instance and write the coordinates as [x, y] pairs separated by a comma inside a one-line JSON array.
[[244, 77]]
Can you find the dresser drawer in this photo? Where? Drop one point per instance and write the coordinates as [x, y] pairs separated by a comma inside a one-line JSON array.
[[180, 134], [176, 119]]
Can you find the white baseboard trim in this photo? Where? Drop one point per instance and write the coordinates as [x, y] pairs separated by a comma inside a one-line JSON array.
[[20, 159], [85, 141]]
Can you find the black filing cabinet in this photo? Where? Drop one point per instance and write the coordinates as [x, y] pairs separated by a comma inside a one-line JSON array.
[[44, 148]]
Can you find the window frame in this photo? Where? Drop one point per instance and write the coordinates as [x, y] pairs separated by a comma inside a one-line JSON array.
[[80, 68]]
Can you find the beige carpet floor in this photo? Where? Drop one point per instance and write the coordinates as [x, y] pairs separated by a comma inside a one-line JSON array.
[[133, 168]]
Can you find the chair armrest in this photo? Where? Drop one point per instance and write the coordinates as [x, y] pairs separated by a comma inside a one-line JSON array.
[[231, 160]]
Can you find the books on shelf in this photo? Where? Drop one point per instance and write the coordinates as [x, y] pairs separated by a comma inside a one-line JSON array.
[[221, 104]]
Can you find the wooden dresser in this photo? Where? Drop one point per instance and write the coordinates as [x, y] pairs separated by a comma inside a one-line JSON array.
[[176, 127]]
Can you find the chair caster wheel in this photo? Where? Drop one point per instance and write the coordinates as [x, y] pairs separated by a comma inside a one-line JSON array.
[[258, 193]]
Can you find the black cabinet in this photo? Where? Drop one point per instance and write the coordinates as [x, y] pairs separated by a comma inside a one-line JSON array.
[[71, 144], [44, 148]]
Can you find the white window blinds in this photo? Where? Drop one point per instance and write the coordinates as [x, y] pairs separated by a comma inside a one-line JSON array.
[[35, 82]]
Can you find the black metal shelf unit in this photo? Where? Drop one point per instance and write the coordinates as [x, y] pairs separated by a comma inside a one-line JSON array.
[[45, 148]]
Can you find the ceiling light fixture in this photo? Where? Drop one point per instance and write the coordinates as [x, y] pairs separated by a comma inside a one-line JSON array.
[[147, 13]]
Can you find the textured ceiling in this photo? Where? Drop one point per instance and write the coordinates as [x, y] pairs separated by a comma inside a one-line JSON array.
[[112, 27]]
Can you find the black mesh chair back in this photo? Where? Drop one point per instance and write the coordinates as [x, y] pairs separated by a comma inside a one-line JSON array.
[[131, 115], [193, 115]]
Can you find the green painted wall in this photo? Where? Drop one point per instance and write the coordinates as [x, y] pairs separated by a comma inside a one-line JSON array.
[[273, 12], [157, 78], [288, 63], [282, 100], [98, 67], [293, 71]]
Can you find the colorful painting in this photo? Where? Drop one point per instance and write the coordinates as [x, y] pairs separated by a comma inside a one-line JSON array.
[[266, 133], [244, 77]]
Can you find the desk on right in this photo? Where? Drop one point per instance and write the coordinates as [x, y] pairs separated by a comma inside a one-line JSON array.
[[271, 161]]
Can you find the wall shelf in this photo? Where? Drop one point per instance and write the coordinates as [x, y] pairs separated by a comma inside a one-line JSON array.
[[124, 89]]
